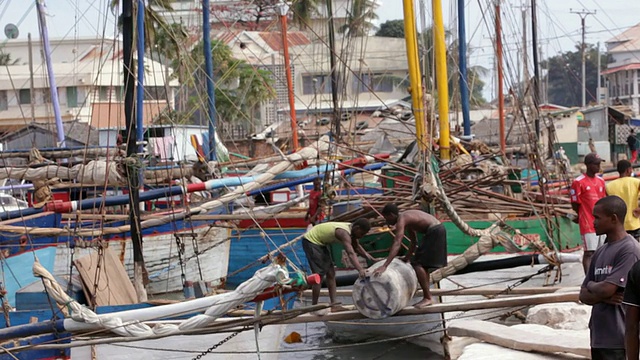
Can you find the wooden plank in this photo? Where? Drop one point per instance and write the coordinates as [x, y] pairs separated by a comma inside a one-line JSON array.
[[468, 292], [521, 339], [113, 284], [571, 296]]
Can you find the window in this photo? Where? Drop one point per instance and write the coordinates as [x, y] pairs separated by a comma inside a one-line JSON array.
[[119, 93], [72, 96], [103, 93], [24, 96], [4, 102], [321, 85], [372, 82]]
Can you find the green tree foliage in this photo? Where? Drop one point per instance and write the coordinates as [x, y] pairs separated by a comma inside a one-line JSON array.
[[240, 88], [152, 19], [303, 10], [565, 76], [6, 59], [391, 28], [359, 18]]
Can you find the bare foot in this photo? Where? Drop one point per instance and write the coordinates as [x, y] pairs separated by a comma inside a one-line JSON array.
[[423, 304], [338, 308], [321, 312]]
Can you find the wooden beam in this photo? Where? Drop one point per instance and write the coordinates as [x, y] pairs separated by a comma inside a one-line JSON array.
[[469, 292], [449, 307]]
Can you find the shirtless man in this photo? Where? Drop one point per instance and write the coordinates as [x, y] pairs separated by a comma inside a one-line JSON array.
[[430, 254]]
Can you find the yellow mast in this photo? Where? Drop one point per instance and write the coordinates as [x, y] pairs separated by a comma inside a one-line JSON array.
[[441, 78], [414, 72]]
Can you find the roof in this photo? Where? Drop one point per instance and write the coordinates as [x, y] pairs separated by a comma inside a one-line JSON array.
[[612, 70], [628, 40], [110, 115], [274, 39], [73, 130]]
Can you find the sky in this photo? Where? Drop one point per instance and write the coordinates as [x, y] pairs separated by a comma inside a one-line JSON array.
[[559, 29]]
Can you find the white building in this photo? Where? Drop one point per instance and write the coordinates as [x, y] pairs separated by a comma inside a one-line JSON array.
[[623, 67], [88, 74], [373, 72]]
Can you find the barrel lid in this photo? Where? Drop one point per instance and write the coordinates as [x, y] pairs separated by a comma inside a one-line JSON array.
[[372, 296]]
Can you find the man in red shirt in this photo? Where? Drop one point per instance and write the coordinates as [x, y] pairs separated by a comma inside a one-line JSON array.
[[586, 190], [315, 214]]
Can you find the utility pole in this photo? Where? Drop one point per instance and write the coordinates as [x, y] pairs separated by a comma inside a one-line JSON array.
[[32, 90], [583, 16], [503, 144], [536, 67]]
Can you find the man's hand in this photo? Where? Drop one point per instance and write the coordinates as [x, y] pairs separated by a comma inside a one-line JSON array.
[[379, 270], [636, 212], [576, 219], [615, 299], [362, 274]]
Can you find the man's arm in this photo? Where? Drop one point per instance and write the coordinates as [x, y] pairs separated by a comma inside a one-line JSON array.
[[360, 250], [632, 318], [596, 292], [397, 243], [345, 239]]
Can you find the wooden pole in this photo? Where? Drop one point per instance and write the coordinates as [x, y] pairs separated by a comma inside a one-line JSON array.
[[284, 9], [503, 140]]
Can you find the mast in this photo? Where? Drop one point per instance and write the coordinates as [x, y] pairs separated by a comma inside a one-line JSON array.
[[536, 67], [208, 65], [462, 61], [441, 78], [414, 72], [503, 140], [133, 142], [334, 72], [32, 89], [284, 9], [52, 79]]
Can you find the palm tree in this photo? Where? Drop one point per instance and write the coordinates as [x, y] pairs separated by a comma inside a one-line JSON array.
[[359, 18], [303, 10], [152, 19], [5, 59]]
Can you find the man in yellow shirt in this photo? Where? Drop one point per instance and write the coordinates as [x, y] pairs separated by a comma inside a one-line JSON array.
[[315, 245], [628, 189]]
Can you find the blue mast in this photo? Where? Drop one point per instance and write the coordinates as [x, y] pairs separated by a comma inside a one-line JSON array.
[[52, 79], [462, 60], [208, 65]]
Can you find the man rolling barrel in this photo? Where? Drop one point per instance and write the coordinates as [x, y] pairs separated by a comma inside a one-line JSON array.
[[430, 254], [315, 244]]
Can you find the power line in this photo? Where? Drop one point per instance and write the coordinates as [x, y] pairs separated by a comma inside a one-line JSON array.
[[583, 16]]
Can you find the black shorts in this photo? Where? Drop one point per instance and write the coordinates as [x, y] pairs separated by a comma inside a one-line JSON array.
[[608, 354], [319, 257], [432, 250]]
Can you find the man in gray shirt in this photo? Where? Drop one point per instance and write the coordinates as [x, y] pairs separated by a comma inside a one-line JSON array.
[[604, 284]]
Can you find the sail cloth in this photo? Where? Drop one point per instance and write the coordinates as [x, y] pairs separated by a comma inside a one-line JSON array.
[[222, 153], [129, 323], [95, 172]]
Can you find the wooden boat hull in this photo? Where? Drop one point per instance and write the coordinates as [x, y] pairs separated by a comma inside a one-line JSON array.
[[205, 250]]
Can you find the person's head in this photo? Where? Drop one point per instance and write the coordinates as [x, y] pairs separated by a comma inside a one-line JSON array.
[[609, 213], [624, 168], [360, 228], [592, 161], [316, 184], [390, 213]]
